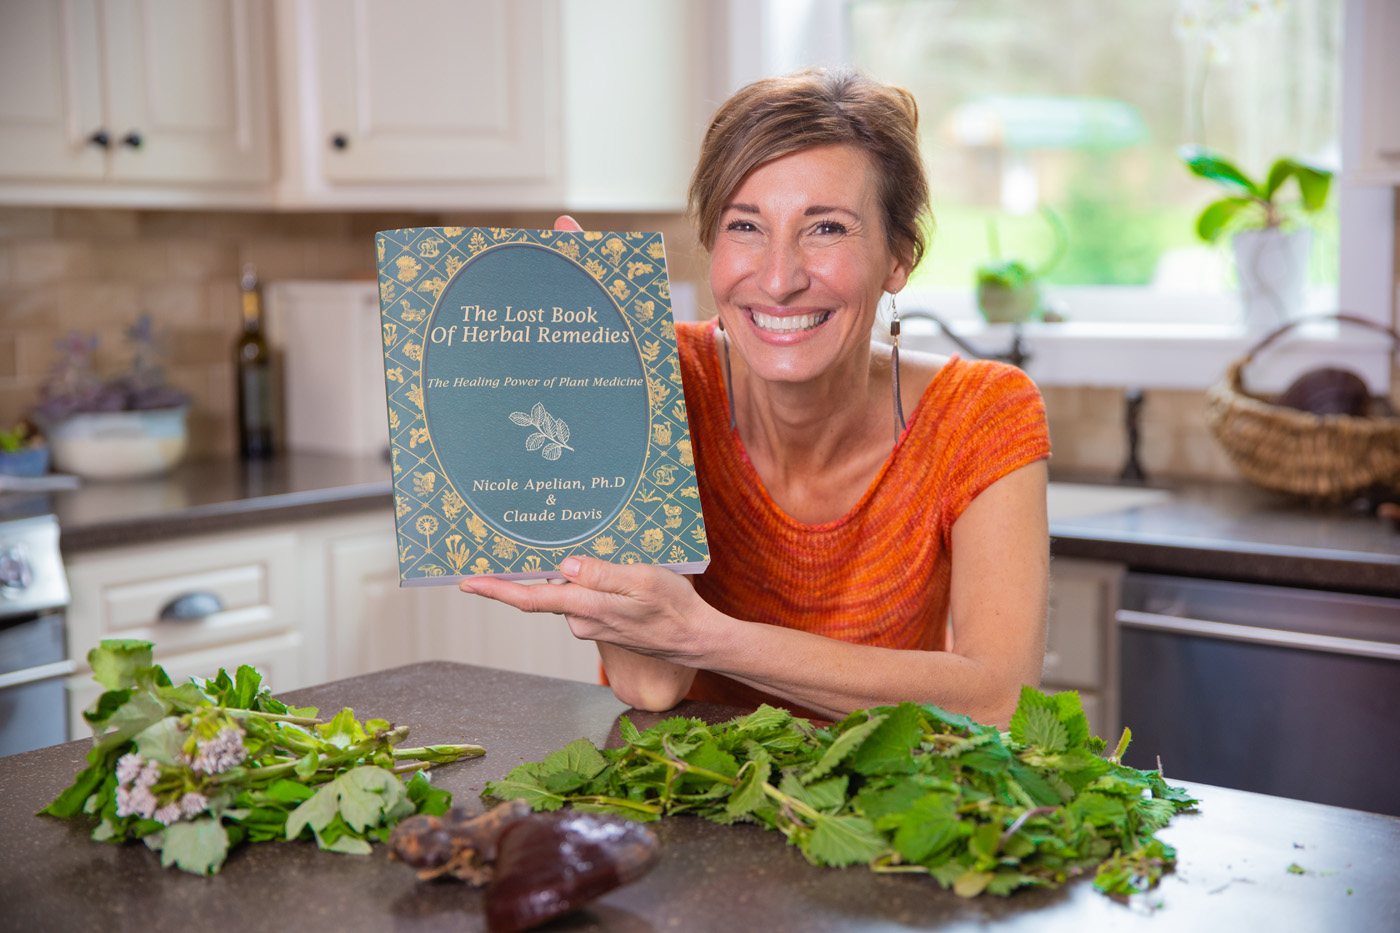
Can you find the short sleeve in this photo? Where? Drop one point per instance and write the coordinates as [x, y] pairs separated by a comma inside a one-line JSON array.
[[999, 427]]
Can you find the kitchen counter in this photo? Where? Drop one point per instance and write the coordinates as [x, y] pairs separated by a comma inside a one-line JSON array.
[[1211, 530], [1233, 871]]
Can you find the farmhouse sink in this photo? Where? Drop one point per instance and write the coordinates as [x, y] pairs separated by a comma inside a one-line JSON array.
[[1078, 500]]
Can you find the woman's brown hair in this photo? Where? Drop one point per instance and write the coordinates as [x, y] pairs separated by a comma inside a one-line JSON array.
[[774, 117]]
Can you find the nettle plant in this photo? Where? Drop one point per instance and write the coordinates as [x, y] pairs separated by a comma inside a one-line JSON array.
[[1251, 204]]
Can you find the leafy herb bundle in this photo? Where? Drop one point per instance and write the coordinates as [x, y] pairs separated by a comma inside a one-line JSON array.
[[907, 788], [197, 768]]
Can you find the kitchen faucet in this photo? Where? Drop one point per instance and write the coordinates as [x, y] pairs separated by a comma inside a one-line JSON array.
[[1016, 354]]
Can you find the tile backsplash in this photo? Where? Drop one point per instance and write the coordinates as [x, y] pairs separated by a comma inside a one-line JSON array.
[[97, 271]]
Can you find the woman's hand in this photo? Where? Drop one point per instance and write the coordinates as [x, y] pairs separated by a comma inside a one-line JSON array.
[[566, 224], [648, 622]]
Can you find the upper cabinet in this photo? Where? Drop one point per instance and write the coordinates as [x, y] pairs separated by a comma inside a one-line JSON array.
[[1371, 144], [589, 104], [134, 94], [427, 104]]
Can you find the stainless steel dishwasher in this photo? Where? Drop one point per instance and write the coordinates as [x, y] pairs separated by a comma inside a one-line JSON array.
[[1272, 689]]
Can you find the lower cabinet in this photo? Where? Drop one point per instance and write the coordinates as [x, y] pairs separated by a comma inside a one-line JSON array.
[[1079, 650], [303, 602]]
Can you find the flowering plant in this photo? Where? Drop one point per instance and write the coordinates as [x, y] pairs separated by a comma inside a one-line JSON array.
[[73, 386], [195, 768]]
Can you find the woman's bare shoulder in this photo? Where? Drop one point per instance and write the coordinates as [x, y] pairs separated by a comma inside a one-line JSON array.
[[917, 369]]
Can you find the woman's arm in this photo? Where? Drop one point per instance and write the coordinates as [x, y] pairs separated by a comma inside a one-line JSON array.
[[641, 615]]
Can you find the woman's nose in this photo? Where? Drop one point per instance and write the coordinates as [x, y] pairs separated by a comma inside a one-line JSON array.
[[782, 270]]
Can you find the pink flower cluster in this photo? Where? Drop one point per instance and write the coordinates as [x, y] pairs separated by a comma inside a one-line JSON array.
[[136, 779], [224, 751]]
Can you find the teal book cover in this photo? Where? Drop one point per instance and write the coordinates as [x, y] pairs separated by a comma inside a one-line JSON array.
[[535, 403]]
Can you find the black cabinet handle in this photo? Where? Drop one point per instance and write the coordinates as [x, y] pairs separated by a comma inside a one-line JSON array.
[[100, 139], [340, 142], [191, 607], [132, 139]]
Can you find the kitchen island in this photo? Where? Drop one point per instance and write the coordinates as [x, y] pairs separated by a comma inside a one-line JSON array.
[[1233, 871]]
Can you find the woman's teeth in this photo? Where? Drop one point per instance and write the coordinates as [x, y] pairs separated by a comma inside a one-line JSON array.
[[788, 323]]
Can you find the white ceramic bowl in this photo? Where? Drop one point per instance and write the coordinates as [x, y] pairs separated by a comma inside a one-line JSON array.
[[119, 444]]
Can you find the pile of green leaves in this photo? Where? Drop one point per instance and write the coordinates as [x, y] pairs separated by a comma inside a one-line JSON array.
[[336, 781], [908, 788]]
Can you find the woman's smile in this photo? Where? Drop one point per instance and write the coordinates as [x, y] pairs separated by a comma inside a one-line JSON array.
[[800, 262]]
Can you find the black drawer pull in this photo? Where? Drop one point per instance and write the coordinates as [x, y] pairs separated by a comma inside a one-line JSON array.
[[191, 607]]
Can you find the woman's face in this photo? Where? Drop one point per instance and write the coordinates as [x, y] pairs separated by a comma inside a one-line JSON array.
[[800, 262]]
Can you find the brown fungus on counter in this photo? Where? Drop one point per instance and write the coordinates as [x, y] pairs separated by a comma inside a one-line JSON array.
[[457, 843], [553, 863]]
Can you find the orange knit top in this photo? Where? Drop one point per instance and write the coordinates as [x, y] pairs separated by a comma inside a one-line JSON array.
[[878, 575]]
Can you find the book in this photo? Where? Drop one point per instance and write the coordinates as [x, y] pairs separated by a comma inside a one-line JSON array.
[[535, 403]]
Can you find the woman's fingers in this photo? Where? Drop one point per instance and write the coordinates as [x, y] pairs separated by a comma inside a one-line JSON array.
[[525, 598], [566, 224]]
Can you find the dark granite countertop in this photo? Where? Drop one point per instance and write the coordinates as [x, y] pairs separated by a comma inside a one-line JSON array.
[[1233, 871], [1228, 530], [1238, 532], [211, 496]]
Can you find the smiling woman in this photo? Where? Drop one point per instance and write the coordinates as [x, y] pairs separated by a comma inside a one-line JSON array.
[[842, 536]]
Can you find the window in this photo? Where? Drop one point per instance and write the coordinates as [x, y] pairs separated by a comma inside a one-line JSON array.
[[1079, 106], [1060, 121]]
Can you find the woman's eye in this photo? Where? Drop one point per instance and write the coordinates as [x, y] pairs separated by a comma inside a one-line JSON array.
[[830, 228], [739, 226]]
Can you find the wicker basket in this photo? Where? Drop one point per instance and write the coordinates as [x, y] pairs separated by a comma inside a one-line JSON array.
[[1328, 457]]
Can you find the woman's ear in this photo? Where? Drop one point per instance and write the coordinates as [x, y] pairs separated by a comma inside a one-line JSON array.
[[900, 268]]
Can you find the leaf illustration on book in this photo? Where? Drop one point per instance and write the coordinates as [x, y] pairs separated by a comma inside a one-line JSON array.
[[551, 435]]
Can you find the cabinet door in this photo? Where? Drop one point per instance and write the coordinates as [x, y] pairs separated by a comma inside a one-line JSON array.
[[1372, 62], [188, 90], [372, 622], [435, 90], [50, 93]]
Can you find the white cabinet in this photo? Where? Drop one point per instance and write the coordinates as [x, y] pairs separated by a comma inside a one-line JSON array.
[[1371, 144], [372, 623], [585, 104], [135, 96], [1080, 653]]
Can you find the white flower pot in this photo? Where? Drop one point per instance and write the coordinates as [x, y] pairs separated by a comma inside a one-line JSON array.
[[1272, 266], [118, 444]]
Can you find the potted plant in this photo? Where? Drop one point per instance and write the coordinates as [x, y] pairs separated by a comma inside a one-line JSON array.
[[23, 451], [132, 424], [1270, 236], [1008, 290]]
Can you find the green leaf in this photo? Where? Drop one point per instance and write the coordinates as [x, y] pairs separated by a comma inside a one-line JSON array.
[[748, 792], [525, 783], [1215, 167], [877, 802], [316, 811], [763, 720], [1040, 728], [197, 846], [349, 845], [134, 716], [972, 883], [628, 731], [889, 749], [845, 743], [70, 802], [1218, 215], [245, 687], [1070, 711], [1313, 184], [162, 741], [115, 662], [579, 757], [105, 705], [284, 791], [343, 730], [427, 798], [843, 840], [932, 825]]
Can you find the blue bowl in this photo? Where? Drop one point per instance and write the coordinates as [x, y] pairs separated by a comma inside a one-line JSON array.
[[30, 461]]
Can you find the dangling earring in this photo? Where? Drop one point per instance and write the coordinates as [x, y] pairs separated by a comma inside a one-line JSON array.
[[894, 371]]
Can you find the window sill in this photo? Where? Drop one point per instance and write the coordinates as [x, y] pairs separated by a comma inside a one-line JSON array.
[[1188, 356]]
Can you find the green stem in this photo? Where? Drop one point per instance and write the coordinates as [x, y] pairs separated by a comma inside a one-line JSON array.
[[601, 800], [687, 766], [274, 717], [442, 754], [790, 801]]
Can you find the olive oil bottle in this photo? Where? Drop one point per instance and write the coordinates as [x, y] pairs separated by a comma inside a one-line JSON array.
[[253, 365]]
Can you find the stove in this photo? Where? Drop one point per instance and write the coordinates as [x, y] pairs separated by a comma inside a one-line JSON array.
[[33, 652]]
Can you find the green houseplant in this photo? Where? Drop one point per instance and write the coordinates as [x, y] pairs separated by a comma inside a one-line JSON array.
[[1269, 232], [23, 451], [1008, 290], [131, 424]]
